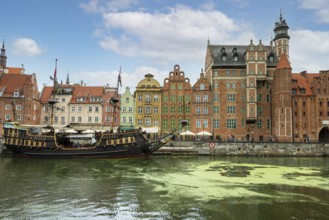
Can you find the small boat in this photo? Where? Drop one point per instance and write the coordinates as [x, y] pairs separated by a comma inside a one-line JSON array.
[[46, 141]]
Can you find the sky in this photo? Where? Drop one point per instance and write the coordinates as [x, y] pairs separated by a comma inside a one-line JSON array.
[[93, 39]]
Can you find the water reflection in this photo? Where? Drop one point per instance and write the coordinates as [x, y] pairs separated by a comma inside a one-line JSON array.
[[165, 188]]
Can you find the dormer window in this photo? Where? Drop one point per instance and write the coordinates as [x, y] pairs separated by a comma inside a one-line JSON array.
[[271, 58], [16, 94], [294, 91], [224, 58], [235, 58], [302, 91]]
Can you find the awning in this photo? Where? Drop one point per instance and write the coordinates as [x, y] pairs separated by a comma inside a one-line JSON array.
[[151, 130], [187, 132], [204, 133]]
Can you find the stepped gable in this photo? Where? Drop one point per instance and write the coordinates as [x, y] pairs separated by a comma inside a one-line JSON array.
[[283, 62]]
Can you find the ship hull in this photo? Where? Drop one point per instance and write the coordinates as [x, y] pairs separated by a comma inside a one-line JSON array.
[[26, 142]]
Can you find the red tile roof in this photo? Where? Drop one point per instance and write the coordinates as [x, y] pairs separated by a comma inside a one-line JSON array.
[[283, 62], [14, 83], [14, 70], [303, 81]]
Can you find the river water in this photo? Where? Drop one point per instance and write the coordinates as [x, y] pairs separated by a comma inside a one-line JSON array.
[[165, 187]]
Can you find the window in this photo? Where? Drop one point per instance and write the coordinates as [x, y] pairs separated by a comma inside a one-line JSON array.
[[165, 124], [124, 119], [228, 85], [231, 109], [19, 117], [259, 97], [205, 110], [215, 85], [202, 86], [224, 58], [198, 110], [198, 98], [62, 119], [140, 97], [172, 98], [18, 107], [155, 123], [45, 108], [216, 123], [216, 97], [216, 109], [73, 109], [268, 97], [156, 98], [16, 94], [90, 119], [231, 97], [148, 122], [165, 98], [140, 122], [259, 123], [147, 98], [165, 109], [130, 119], [139, 110], [63, 99], [268, 123], [147, 109], [205, 123], [79, 109], [72, 119], [79, 119], [130, 109], [107, 118], [155, 110], [259, 110], [172, 109], [108, 109], [180, 109], [96, 109], [124, 109], [198, 123], [205, 98], [231, 123], [90, 109], [7, 107]]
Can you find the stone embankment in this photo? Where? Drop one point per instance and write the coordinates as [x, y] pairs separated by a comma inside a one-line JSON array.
[[246, 149]]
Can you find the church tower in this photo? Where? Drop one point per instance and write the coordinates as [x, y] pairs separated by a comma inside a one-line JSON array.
[[281, 39], [3, 57]]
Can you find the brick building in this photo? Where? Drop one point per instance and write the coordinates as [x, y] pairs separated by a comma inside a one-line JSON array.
[[242, 78], [18, 94], [176, 101], [310, 100], [202, 108]]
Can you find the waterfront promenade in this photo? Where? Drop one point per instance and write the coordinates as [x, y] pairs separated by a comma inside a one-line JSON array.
[[279, 149]]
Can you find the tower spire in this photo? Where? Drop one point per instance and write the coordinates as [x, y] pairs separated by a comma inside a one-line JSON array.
[[3, 57]]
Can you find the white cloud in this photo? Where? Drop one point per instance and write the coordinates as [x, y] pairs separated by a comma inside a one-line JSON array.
[[26, 47], [239, 3], [99, 78], [180, 34], [309, 50], [321, 8], [102, 6]]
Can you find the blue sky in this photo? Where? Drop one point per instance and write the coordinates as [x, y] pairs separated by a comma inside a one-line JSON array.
[[92, 38]]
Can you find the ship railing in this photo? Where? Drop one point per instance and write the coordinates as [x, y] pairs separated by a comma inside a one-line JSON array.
[[156, 144]]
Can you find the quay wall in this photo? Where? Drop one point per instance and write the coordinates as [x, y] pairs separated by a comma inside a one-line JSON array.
[[246, 149]]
